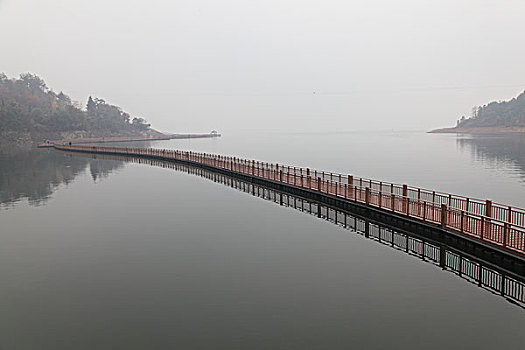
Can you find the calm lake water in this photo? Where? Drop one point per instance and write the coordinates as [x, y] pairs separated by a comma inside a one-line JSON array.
[[107, 254]]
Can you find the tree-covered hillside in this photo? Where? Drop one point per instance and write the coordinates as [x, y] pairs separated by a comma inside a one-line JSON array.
[[28, 105], [497, 114]]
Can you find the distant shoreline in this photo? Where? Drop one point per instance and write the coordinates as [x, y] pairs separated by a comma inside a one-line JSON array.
[[479, 130], [159, 137]]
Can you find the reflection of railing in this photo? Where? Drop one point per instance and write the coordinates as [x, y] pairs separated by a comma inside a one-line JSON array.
[[482, 274], [495, 224]]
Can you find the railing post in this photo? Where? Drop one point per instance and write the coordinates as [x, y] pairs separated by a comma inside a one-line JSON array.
[[424, 210], [488, 208], [450, 206], [367, 195], [393, 201], [418, 202], [482, 226], [346, 192], [462, 221], [443, 215], [509, 215], [281, 175], [308, 178], [505, 234], [380, 197], [405, 192], [488, 214], [319, 184]]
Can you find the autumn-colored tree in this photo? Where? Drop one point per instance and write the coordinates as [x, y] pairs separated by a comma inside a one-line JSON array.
[[27, 104]]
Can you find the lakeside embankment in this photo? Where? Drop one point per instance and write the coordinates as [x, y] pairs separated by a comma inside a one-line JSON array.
[[15, 139], [27, 140], [157, 137], [479, 130]]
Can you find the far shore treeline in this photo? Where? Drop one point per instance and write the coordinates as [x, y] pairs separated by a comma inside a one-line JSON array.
[[493, 118], [28, 106], [504, 114]]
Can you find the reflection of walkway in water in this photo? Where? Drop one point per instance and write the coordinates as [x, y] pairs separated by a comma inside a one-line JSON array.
[[483, 274]]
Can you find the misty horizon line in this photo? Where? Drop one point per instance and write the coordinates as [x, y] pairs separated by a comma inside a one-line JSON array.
[[81, 104]]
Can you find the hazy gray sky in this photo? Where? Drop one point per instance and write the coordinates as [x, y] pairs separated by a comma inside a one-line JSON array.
[[193, 65]]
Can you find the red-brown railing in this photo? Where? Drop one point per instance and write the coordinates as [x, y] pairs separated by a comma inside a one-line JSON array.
[[496, 224]]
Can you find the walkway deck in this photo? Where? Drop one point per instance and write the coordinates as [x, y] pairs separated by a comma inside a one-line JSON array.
[[490, 223]]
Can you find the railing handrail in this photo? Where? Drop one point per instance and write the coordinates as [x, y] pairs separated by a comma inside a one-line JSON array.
[[343, 176]]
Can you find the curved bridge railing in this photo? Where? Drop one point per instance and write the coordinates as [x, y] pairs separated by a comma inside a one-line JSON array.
[[492, 223]]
